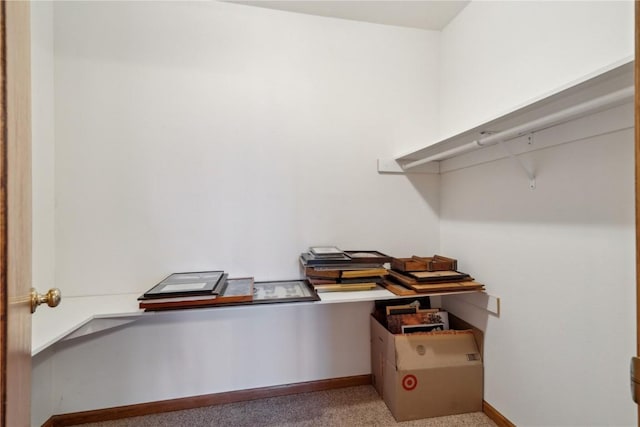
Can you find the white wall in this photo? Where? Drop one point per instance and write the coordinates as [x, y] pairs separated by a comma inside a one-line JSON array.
[[198, 352], [43, 145], [194, 136], [499, 55], [206, 135], [560, 257], [43, 187], [43, 393]]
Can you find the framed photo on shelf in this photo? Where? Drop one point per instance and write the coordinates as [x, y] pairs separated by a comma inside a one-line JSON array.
[[233, 291], [325, 251], [439, 276], [283, 291], [187, 284], [368, 256], [237, 290], [308, 259]]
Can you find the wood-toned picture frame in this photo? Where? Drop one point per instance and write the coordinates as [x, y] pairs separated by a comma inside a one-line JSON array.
[[283, 291], [239, 289]]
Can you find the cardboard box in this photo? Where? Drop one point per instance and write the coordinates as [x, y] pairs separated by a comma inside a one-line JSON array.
[[430, 374]]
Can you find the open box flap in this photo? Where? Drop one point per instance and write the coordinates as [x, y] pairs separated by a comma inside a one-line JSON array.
[[435, 350]]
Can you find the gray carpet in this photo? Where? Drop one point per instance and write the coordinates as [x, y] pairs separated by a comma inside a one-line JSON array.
[[349, 407]]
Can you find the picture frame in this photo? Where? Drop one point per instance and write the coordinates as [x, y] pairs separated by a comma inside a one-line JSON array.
[[187, 284], [239, 289], [233, 291], [368, 256], [438, 276], [326, 251], [283, 291], [308, 259]]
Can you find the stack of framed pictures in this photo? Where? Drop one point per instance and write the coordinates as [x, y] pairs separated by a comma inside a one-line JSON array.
[[416, 275], [330, 269], [197, 289]]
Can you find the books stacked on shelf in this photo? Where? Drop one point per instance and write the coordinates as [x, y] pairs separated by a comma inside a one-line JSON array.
[[330, 269], [196, 289], [423, 275]]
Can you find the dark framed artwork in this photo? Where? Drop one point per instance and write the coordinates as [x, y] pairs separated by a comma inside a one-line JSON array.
[[368, 256], [187, 284], [233, 291]]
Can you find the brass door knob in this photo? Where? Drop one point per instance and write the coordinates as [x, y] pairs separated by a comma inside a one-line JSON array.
[[52, 298]]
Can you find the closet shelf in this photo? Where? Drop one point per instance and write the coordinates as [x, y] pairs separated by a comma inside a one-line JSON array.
[[595, 93], [85, 315]]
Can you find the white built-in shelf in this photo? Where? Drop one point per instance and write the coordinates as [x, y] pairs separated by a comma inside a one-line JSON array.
[[84, 315], [355, 296], [601, 91], [77, 316]]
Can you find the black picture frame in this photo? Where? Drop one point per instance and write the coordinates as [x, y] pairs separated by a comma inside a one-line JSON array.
[[368, 256], [187, 284], [439, 276], [233, 291], [277, 291], [308, 259]]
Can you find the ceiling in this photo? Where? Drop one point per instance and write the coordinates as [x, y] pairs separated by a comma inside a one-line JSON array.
[[424, 14]]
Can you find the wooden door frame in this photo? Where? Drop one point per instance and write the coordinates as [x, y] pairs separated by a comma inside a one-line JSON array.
[[15, 213], [3, 216], [637, 176]]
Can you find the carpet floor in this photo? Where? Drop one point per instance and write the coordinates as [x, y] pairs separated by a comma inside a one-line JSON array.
[[348, 407]]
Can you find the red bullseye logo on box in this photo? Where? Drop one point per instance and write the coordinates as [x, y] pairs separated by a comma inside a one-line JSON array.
[[409, 382]]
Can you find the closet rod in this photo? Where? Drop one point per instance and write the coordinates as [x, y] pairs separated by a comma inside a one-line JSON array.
[[597, 104]]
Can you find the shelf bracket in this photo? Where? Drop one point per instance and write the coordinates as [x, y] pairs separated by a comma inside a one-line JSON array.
[[481, 300], [100, 323], [530, 174]]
